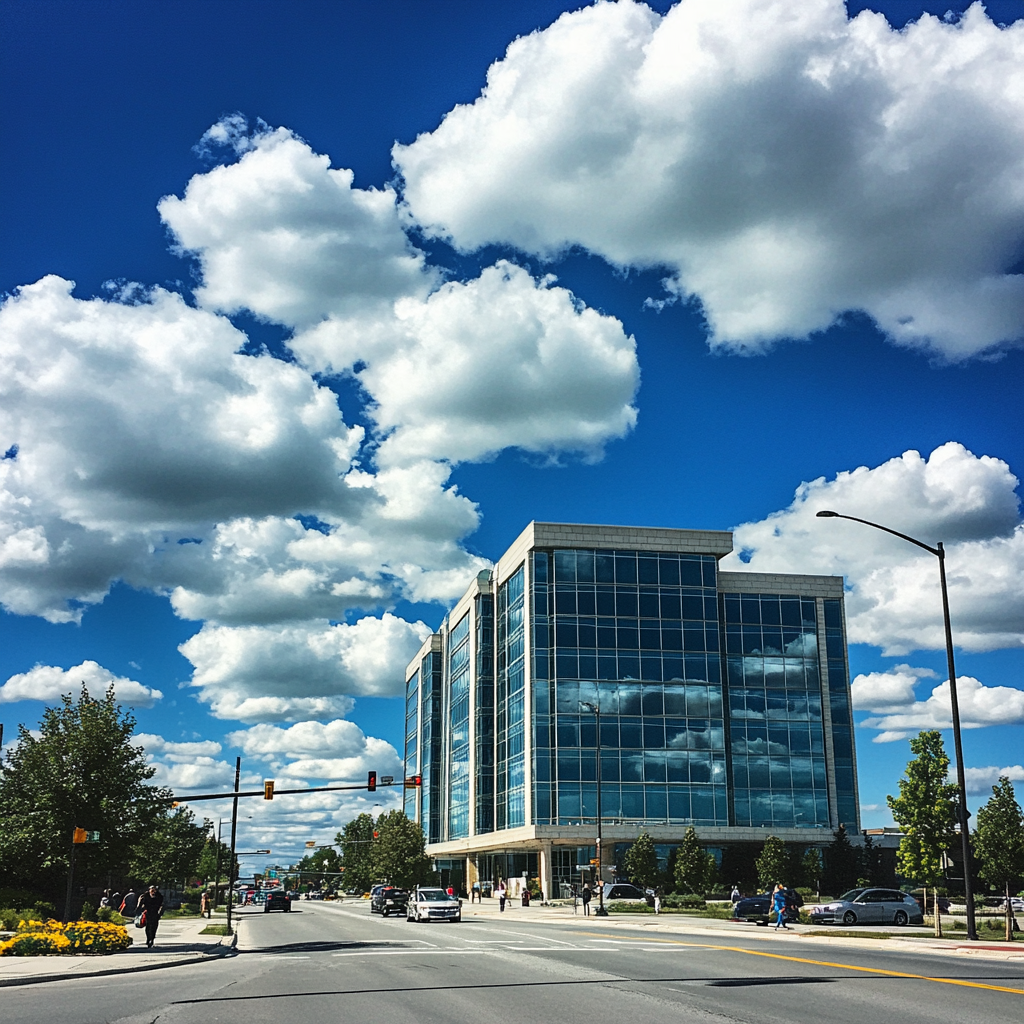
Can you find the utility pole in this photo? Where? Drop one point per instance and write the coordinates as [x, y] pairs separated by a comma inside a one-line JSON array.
[[234, 826]]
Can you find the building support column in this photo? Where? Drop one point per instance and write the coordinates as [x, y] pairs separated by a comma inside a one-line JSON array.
[[545, 870]]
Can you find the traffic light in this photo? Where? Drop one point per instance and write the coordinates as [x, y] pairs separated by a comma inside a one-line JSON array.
[[376, 834], [371, 782], [414, 780], [268, 789]]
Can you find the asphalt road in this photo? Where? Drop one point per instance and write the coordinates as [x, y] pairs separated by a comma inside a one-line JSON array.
[[324, 963]]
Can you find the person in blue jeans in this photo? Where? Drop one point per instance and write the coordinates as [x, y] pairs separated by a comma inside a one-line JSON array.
[[779, 905]]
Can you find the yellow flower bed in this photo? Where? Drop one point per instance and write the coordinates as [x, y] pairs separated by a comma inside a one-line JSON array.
[[45, 938]]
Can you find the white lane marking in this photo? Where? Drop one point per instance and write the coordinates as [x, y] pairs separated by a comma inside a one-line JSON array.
[[412, 952], [479, 952]]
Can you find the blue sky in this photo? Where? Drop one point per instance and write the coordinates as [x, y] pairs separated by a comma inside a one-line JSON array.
[[834, 205]]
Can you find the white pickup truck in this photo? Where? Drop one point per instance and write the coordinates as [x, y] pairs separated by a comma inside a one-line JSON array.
[[433, 905]]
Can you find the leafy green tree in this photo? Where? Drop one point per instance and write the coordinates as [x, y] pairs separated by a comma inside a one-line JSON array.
[[811, 868], [321, 868], [356, 841], [870, 860], [840, 863], [207, 868], [695, 868], [170, 851], [81, 771], [642, 862], [772, 864], [999, 843], [399, 855], [926, 811]]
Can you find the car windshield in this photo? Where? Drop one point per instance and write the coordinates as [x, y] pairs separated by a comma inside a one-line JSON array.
[[849, 897], [434, 895]]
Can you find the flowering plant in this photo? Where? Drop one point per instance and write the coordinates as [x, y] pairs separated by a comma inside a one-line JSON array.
[[43, 938]]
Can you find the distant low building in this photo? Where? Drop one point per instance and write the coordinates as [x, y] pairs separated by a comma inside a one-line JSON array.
[[724, 700]]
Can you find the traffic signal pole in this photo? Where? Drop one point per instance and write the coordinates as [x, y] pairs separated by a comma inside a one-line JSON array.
[[234, 828], [71, 876]]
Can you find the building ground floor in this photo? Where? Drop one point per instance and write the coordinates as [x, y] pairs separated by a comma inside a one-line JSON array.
[[551, 860]]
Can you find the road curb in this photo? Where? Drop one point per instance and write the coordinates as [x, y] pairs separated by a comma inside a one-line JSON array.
[[223, 949]]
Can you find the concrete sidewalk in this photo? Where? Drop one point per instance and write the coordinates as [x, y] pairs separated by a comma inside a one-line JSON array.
[[178, 941], [910, 940]]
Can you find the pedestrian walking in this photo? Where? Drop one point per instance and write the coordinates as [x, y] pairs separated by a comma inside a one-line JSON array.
[[736, 895], [587, 894], [204, 904], [130, 903], [151, 904], [501, 898], [657, 903], [105, 898], [779, 904], [474, 894]]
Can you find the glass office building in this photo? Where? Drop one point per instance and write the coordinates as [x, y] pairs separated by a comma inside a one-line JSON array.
[[624, 658]]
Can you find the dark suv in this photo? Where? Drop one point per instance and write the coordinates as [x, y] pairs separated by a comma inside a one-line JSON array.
[[760, 907], [278, 899], [388, 899]]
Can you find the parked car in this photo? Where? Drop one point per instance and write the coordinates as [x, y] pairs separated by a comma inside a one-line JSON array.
[[623, 892], [277, 899], [430, 904], [869, 906], [944, 905], [760, 907], [388, 899]]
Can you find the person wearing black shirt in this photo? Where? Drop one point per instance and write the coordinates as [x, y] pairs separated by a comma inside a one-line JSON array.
[[152, 904]]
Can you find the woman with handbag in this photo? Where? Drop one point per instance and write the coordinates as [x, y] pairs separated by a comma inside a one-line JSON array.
[[151, 908]]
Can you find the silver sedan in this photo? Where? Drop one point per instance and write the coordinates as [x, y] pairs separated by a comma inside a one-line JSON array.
[[869, 906]]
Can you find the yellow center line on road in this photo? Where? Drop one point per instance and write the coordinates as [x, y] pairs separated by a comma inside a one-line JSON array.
[[821, 963]]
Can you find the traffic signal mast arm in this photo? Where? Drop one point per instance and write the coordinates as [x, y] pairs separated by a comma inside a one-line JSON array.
[[412, 781]]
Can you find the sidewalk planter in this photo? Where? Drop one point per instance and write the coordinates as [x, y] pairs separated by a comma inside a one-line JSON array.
[[48, 938]]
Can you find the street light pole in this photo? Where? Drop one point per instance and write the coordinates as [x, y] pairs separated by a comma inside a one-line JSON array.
[[600, 912], [940, 554]]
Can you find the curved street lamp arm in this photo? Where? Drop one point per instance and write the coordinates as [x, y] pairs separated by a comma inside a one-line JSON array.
[[827, 514]]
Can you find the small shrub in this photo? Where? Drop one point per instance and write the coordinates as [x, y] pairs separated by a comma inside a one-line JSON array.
[[688, 901], [44, 911], [9, 920], [88, 912]]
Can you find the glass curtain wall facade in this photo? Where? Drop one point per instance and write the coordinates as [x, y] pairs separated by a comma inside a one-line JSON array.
[[776, 738], [724, 698], [485, 711], [458, 729], [635, 634], [510, 803]]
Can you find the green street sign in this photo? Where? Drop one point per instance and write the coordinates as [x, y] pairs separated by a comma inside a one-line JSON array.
[[92, 837]]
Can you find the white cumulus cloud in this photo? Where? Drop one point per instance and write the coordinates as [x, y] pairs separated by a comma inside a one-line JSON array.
[[50, 683], [283, 235], [496, 362], [981, 780], [302, 670], [322, 750], [897, 713], [783, 162], [893, 599]]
